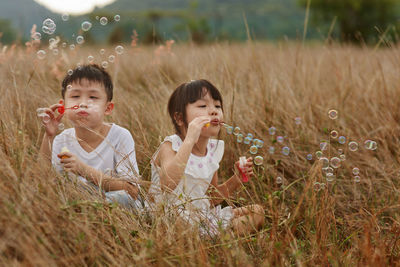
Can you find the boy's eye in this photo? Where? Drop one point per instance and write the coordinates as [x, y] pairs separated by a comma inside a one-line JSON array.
[[93, 97], [75, 96], [203, 106], [218, 106]]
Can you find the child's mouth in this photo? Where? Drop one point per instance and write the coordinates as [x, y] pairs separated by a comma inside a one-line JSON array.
[[215, 122], [83, 113]]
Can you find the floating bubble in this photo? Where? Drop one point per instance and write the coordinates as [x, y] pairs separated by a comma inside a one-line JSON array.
[[309, 157], [64, 45], [334, 134], [236, 131], [90, 59], [86, 25], [357, 179], [279, 139], [356, 171], [279, 180], [97, 17], [45, 117], [340, 151], [323, 145], [272, 130], [342, 157], [52, 41], [49, 27], [104, 64], [335, 162], [239, 138], [55, 51], [327, 170], [330, 177], [41, 54], [80, 40], [258, 160], [285, 150], [37, 36], [374, 145], [40, 110], [117, 18], [342, 140], [102, 51], [325, 162], [353, 146], [247, 140], [271, 150], [371, 145], [317, 186], [229, 129], [119, 49], [333, 114], [61, 126], [322, 186], [318, 154], [297, 120], [72, 46], [253, 150], [65, 17], [259, 143], [70, 72], [249, 135], [103, 21]]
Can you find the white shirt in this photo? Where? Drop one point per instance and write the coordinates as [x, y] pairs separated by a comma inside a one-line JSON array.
[[114, 156]]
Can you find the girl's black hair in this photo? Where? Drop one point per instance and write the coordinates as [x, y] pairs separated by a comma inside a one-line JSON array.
[[188, 93]]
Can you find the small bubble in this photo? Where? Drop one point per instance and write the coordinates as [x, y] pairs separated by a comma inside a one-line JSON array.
[[86, 25], [323, 145], [342, 140], [309, 157], [271, 150], [356, 171], [72, 47], [318, 154], [259, 143], [236, 131], [117, 18], [342, 157], [103, 21], [61, 126], [40, 111], [327, 170], [297, 120], [330, 177], [285, 150], [340, 151], [41, 54], [64, 45], [249, 135], [239, 138], [371, 145], [247, 140], [253, 150], [279, 139], [80, 40], [52, 41], [322, 186], [45, 117], [317, 187], [229, 130], [353, 146], [90, 59], [65, 17], [279, 180], [334, 134], [357, 179], [55, 51], [325, 162], [49, 27], [70, 72], [37, 36], [272, 130], [102, 51], [104, 64], [335, 162], [333, 114], [119, 49], [258, 160], [97, 17]]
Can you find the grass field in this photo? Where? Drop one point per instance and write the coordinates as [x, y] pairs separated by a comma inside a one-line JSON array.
[[45, 220]]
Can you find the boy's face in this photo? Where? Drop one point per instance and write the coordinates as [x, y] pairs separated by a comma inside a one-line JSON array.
[[91, 100]]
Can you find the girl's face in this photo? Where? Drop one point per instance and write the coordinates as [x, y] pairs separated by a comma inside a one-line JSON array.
[[206, 106]]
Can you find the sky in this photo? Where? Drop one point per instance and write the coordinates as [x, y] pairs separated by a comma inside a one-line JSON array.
[[73, 6]]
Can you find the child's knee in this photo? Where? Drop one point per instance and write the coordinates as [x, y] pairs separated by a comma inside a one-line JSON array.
[[259, 213]]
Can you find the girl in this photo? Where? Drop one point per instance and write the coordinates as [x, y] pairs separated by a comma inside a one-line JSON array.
[[184, 169]]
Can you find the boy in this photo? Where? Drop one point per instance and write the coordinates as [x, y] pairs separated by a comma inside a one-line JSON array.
[[93, 150]]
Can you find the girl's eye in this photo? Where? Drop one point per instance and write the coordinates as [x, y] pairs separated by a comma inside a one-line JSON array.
[[218, 106], [203, 106]]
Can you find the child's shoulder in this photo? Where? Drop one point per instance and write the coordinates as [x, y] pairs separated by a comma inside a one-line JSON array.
[[119, 132]]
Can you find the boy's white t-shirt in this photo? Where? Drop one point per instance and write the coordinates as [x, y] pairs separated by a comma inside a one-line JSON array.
[[114, 156]]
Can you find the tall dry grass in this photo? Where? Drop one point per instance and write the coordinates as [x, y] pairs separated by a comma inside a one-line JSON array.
[[46, 220]]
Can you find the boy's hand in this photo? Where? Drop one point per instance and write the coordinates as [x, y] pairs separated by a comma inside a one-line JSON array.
[[71, 163], [131, 189], [52, 126], [195, 127], [247, 169]]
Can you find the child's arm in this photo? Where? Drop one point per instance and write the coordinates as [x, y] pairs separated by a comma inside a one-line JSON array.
[[173, 163], [220, 192], [51, 128]]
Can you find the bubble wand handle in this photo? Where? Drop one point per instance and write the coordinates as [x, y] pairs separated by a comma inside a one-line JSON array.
[[242, 162]]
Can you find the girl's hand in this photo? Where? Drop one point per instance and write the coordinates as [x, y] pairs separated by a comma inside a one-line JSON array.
[[131, 189], [195, 127], [52, 126], [247, 169], [71, 163]]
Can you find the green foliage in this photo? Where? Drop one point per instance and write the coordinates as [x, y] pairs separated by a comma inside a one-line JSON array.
[[7, 33], [358, 20]]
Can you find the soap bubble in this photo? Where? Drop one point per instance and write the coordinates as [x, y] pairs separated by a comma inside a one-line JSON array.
[[271, 150], [41, 54], [61, 126], [342, 157], [55, 51], [65, 17], [86, 25], [64, 45], [318, 154], [353, 146], [70, 72], [37, 36], [97, 17], [297, 120], [40, 111], [279, 180], [80, 40], [45, 117], [330, 177], [90, 58], [104, 64], [334, 134], [335, 162], [239, 138], [371, 145], [327, 170], [117, 18], [247, 140], [342, 140], [325, 162], [340, 151], [309, 157], [249, 135], [119, 49], [323, 145], [111, 58], [357, 179], [253, 150], [229, 130], [374, 145], [272, 130], [285, 150], [103, 21], [333, 114], [356, 171], [259, 143], [236, 131], [322, 186], [279, 139], [317, 186], [258, 160], [102, 51], [49, 27], [72, 47]]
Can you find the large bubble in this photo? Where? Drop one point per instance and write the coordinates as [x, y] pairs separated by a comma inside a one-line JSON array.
[[86, 25]]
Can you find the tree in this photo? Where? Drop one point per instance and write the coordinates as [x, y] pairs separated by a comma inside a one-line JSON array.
[[7, 33], [359, 20]]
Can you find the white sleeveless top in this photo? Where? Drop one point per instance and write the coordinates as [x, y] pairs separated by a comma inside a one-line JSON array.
[[189, 196]]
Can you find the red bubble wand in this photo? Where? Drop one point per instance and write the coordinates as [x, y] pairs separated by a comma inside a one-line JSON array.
[[62, 109]]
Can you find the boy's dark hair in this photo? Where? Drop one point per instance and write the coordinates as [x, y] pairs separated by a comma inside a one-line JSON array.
[[92, 73], [189, 93]]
